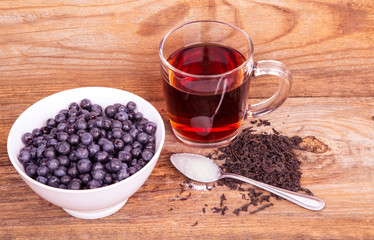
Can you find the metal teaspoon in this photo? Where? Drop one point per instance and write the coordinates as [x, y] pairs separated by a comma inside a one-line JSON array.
[[202, 169]]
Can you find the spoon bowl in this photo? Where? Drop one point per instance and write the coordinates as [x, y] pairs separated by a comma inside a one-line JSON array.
[[202, 169]]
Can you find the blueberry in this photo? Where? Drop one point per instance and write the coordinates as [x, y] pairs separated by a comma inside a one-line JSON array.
[[31, 169], [81, 152], [61, 126], [115, 164], [109, 135], [96, 166], [74, 105], [137, 166], [62, 148], [151, 146], [131, 106], [108, 146], [65, 179], [73, 140], [94, 184], [126, 125], [60, 171], [127, 138], [136, 152], [83, 115], [62, 186], [93, 149], [53, 164], [107, 124], [121, 108], [73, 112], [84, 165], [86, 139], [118, 144], [53, 181], [134, 161], [73, 156], [52, 142], [124, 166], [151, 139], [108, 179], [42, 171], [138, 116], [75, 184], [134, 132], [124, 156], [91, 124], [132, 170], [62, 136], [86, 104], [110, 111], [80, 124], [98, 174], [40, 151], [97, 108], [33, 152], [73, 172], [36, 132], [95, 132], [99, 122], [136, 144], [60, 117], [122, 174], [116, 124], [45, 129], [70, 128], [92, 116], [42, 161], [72, 119], [42, 179], [64, 160], [64, 111], [121, 116], [50, 153], [117, 133], [128, 148], [85, 178], [27, 138], [81, 132], [51, 123], [141, 162], [24, 157], [101, 156], [102, 140], [150, 127], [147, 154], [39, 141]]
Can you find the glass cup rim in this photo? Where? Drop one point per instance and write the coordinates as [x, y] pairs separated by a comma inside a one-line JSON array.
[[168, 65]]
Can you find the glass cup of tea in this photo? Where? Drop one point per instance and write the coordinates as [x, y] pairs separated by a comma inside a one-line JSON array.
[[206, 68]]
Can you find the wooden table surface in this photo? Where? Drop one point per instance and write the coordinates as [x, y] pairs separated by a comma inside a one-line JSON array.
[[50, 46]]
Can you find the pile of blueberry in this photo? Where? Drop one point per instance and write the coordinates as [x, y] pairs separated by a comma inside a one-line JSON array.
[[86, 146]]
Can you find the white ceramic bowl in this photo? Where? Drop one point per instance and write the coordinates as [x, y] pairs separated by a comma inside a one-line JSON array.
[[92, 203]]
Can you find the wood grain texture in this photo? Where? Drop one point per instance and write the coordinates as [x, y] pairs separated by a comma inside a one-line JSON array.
[[50, 46]]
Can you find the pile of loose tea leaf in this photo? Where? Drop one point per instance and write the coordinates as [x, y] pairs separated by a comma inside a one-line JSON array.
[[265, 157]]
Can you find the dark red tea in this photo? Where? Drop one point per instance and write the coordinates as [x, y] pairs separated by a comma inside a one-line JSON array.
[[210, 108]]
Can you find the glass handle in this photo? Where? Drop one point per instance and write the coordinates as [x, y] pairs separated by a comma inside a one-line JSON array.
[[270, 67]]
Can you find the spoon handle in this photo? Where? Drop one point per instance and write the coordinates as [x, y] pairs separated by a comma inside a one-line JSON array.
[[303, 200]]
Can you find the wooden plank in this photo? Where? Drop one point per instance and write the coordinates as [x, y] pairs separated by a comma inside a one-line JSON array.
[[50, 46], [343, 177]]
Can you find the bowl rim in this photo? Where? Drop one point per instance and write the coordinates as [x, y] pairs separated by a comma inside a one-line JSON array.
[[82, 191]]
